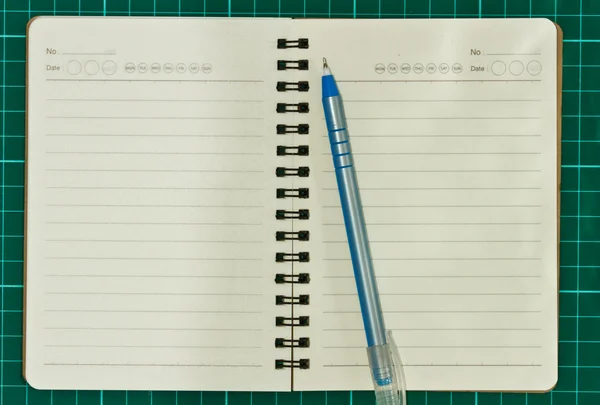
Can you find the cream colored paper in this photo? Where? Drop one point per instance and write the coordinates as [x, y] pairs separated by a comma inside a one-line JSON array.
[[151, 199], [458, 175]]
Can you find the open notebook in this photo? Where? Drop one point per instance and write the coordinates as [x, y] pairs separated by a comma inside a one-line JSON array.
[[166, 157]]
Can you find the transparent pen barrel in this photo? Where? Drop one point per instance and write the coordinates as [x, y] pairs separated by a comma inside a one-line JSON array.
[[384, 375]]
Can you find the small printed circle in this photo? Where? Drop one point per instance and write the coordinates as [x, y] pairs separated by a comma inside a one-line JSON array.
[[130, 67], [516, 67], [405, 68], [534, 67], [194, 68], [498, 68], [207, 68], [109, 67], [142, 68], [379, 68], [393, 68], [91, 67], [181, 68], [418, 68], [168, 68], [444, 68], [457, 68], [74, 67], [155, 67], [431, 68]]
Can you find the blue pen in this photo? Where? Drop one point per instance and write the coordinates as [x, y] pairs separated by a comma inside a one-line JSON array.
[[382, 354]]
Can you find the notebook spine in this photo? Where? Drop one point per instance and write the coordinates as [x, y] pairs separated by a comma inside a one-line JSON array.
[[288, 253]]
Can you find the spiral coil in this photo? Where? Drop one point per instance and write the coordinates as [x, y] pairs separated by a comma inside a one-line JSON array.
[[300, 214], [283, 43], [301, 129], [302, 171], [301, 86], [283, 256]]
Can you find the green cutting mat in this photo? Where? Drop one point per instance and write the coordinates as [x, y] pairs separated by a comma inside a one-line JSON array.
[[579, 373]]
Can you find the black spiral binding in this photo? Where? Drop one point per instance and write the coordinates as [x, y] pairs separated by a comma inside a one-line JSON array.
[[302, 342], [300, 64], [292, 192], [302, 363], [302, 257], [287, 107], [300, 214], [300, 235], [302, 171], [302, 299], [302, 278], [283, 237], [301, 129], [301, 150], [298, 321], [293, 86], [283, 43]]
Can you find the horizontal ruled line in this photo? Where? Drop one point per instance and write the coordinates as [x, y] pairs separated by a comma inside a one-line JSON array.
[[159, 135], [441, 153], [153, 80], [437, 294], [157, 171], [162, 188], [443, 329], [439, 188], [448, 259], [444, 136], [157, 223], [154, 241], [157, 329], [153, 347], [436, 241], [152, 258], [147, 276], [439, 81], [456, 100], [444, 347], [149, 311], [153, 118], [434, 276], [441, 206], [443, 118], [441, 365], [151, 153], [145, 100], [438, 312], [150, 206], [447, 171], [152, 293], [440, 223], [152, 365]]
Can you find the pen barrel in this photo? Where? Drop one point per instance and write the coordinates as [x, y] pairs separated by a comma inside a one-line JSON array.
[[335, 116], [354, 220], [384, 376]]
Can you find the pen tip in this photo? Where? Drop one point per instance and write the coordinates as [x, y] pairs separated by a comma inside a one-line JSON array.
[[326, 70]]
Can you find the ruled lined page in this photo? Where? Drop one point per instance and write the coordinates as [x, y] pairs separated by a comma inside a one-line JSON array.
[[455, 143], [150, 234]]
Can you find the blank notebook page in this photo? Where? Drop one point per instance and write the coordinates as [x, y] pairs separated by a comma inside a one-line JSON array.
[[150, 214], [455, 140]]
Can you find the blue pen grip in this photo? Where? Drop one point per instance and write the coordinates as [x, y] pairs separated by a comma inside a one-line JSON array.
[[340, 149]]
